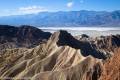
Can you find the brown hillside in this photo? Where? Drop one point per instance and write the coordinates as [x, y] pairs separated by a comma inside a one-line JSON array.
[[62, 57]]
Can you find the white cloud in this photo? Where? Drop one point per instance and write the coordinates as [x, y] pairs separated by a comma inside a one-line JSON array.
[[23, 10], [31, 9], [70, 4]]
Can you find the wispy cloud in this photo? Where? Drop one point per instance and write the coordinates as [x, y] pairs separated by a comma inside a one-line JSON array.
[[23, 10], [70, 4], [31, 9]]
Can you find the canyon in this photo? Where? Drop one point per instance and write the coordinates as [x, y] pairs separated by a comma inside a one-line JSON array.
[[28, 53]]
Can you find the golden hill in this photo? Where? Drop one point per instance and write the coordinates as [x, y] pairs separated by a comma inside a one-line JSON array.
[[62, 57]]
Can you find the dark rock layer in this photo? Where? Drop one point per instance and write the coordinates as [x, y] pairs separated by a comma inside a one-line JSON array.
[[23, 36]]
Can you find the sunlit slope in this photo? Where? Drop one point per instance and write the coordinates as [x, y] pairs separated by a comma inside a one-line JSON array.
[[62, 57]]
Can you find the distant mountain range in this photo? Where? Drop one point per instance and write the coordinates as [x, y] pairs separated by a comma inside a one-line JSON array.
[[67, 19]]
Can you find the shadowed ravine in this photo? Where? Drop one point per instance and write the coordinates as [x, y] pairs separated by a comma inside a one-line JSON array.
[[87, 49]]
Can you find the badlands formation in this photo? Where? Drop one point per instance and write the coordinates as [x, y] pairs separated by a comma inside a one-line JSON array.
[[60, 56]]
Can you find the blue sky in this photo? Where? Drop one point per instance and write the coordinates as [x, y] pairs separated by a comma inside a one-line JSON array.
[[18, 7]]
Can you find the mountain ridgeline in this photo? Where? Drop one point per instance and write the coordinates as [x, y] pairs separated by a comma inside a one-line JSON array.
[[23, 36], [70, 18]]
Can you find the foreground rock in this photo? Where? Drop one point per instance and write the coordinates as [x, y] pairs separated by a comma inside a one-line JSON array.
[[112, 68], [62, 57]]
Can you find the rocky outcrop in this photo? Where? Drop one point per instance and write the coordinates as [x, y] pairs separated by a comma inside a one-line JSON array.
[[23, 36], [112, 68], [86, 47], [62, 57], [108, 42]]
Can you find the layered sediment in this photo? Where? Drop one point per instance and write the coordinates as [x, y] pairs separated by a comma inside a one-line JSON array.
[[64, 57]]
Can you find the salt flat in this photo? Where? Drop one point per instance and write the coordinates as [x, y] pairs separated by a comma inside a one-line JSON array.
[[91, 31]]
